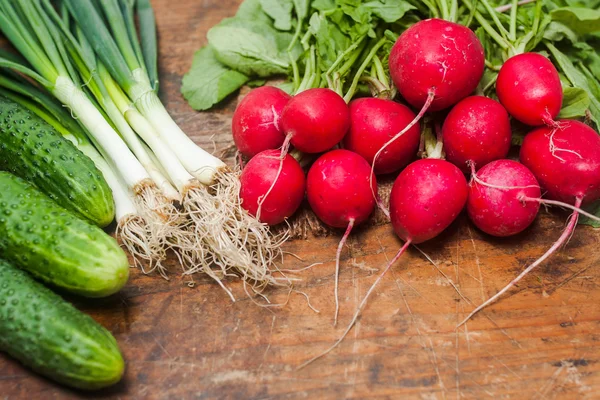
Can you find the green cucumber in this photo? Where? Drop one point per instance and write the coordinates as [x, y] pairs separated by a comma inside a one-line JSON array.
[[54, 245], [53, 338], [33, 150]]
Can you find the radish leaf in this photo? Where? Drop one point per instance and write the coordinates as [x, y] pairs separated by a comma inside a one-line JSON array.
[[208, 81]]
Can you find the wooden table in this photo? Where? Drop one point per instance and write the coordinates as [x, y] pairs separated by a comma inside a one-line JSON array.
[[540, 341]]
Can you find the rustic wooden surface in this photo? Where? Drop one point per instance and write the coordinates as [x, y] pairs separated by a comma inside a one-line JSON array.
[[541, 341]]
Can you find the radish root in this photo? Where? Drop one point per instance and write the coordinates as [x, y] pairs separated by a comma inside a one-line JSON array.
[[561, 241], [359, 309], [284, 150], [475, 178], [555, 125], [337, 268], [561, 204]]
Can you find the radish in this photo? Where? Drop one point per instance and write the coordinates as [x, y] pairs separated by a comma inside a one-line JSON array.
[[426, 198], [339, 190], [255, 123], [565, 159], [477, 129], [434, 64], [315, 120], [272, 203], [373, 122], [529, 87], [497, 194]]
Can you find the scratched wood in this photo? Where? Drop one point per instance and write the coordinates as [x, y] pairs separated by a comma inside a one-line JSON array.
[[540, 341]]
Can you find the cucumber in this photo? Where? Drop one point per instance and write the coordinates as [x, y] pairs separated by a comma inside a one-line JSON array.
[[54, 245], [53, 338], [33, 150]]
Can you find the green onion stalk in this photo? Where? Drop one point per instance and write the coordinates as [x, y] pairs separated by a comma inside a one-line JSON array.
[[221, 238]]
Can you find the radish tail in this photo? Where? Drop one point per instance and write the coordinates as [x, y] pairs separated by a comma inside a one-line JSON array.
[[337, 268], [564, 205], [359, 309], [430, 98], [476, 179], [562, 240], [284, 150]]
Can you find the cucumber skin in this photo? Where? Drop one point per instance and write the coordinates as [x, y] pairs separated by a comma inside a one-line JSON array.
[[49, 335], [54, 245], [33, 150]]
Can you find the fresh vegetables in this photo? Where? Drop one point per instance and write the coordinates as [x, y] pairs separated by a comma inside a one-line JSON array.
[[32, 149], [272, 202], [132, 228], [256, 121], [529, 87], [54, 245], [49, 335], [477, 130], [118, 107], [339, 189]]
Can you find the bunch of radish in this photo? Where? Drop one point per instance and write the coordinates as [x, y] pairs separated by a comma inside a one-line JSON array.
[[435, 65]]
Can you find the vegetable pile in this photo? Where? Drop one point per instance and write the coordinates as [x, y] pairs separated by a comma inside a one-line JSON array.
[[376, 85], [431, 93]]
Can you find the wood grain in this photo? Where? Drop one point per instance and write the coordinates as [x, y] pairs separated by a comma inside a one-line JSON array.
[[540, 341]]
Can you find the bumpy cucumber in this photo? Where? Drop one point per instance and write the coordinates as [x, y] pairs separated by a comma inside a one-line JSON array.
[[54, 245], [32, 149], [49, 335]]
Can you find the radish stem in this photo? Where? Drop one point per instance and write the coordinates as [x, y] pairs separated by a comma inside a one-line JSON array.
[[562, 240], [360, 307]]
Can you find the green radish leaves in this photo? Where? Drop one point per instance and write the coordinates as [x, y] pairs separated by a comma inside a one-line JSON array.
[[578, 19], [315, 43], [594, 209], [576, 102], [280, 11], [578, 79], [390, 11], [250, 48], [208, 81]]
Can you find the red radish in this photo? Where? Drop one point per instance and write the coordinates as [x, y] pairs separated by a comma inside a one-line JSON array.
[[315, 120], [434, 64], [565, 159], [529, 87], [436, 61], [255, 123], [373, 122], [270, 203], [426, 198], [339, 190], [496, 202], [477, 129]]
